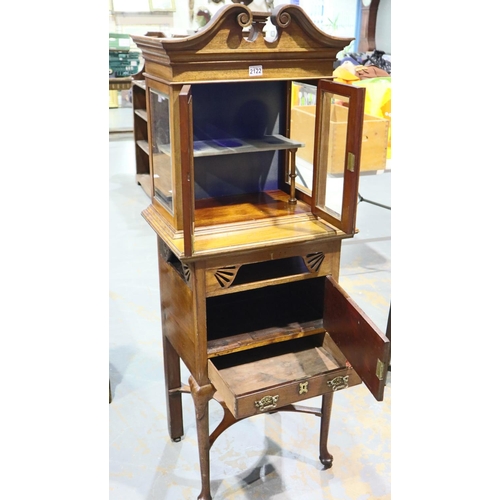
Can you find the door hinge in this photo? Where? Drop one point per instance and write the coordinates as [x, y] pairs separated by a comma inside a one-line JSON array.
[[351, 158], [380, 369]]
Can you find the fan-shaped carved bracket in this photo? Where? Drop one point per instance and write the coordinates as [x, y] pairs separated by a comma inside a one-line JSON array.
[[313, 261], [226, 275], [187, 272]]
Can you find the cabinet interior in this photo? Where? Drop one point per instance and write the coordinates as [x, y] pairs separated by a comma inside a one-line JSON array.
[[240, 151], [303, 357], [270, 269], [266, 315]]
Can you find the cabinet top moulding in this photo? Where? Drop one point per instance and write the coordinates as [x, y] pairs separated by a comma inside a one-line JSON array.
[[233, 41]]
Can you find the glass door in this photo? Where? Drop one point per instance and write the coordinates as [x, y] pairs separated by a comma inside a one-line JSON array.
[[337, 151], [162, 165]]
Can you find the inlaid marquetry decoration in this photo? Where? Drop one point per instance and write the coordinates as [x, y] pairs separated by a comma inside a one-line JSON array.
[[225, 275], [313, 261]]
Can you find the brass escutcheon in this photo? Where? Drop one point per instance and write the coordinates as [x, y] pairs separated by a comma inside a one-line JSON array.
[[303, 387], [267, 403], [338, 383]]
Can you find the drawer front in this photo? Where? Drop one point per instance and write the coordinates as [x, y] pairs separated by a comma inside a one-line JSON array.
[[271, 399], [295, 371]]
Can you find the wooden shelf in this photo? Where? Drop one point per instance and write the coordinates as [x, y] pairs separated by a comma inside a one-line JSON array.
[[141, 135], [140, 83], [144, 180], [239, 146], [144, 146], [142, 113], [235, 145], [244, 341]]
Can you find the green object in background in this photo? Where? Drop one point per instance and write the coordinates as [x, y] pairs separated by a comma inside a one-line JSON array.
[[119, 41], [123, 63]]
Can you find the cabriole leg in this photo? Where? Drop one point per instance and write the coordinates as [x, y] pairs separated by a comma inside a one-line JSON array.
[[201, 396], [326, 410]]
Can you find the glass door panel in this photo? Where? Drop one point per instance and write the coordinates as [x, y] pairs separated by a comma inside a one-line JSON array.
[[338, 133], [161, 149], [302, 121]]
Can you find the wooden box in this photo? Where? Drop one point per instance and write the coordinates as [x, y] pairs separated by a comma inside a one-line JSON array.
[[374, 141]]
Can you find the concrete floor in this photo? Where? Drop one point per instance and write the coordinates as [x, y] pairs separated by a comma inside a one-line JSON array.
[[269, 456]]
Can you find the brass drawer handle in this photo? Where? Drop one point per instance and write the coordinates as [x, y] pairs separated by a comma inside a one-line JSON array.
[[267, 403], [338, 383]]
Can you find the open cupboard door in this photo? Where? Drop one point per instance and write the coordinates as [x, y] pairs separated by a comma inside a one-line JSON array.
[[337, 144], [365, 347], [187, 168]]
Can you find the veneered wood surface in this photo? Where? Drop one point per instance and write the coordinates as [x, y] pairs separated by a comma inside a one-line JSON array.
[[362, 343], [177, 313], [223, 51], [231, 240], [246, 207]]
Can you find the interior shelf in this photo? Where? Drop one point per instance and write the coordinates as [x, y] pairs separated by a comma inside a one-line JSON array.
[[231, 146], [245, 341], [265, 316]]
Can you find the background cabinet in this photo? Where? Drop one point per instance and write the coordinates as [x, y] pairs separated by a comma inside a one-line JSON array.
[[141, 135]]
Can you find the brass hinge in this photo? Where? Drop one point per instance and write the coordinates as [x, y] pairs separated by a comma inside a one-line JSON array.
[[380, 369], [351, 158]]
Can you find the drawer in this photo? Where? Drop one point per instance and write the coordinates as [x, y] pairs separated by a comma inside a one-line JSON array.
[[264, 379]]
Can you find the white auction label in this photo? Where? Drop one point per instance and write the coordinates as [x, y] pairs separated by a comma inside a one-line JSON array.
[[255, 71]]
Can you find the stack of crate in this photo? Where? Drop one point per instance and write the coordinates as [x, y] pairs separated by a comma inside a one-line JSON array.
[[124, 60]]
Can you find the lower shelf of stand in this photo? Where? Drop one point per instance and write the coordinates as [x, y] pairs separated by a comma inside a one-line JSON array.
[[244, 341], [267, 378]]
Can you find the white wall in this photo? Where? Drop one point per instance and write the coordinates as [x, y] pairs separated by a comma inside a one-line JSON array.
[[341, 12]]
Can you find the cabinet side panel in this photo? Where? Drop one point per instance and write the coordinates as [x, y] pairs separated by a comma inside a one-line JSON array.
[[177, 313]]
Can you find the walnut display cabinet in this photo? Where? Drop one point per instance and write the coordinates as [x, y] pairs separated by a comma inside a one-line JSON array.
[[249, 243]]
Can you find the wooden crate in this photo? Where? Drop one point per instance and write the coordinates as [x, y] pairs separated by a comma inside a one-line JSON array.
[[374, 146]]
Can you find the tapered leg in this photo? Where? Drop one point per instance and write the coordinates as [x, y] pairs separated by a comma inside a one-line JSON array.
[[201, 396], [172, 367], [326, 411]]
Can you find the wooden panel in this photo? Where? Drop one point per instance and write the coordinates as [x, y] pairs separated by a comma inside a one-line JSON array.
[[187, 172], [273, 236], [223, 51], [246, 207], [362, 343], [177, 313], [259, 338]]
